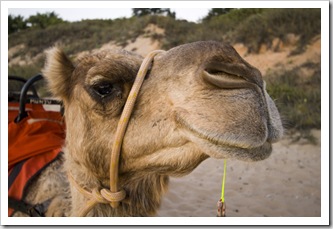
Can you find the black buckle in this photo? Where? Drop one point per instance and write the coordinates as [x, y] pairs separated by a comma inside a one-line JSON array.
[[39, 210], [35, 212]]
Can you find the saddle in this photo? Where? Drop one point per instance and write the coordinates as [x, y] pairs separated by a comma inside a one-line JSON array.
[[35, 138]]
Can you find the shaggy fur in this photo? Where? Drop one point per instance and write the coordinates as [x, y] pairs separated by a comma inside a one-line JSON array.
[[199, 100]]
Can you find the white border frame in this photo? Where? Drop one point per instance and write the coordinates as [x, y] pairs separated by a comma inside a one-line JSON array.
[[323, 220]]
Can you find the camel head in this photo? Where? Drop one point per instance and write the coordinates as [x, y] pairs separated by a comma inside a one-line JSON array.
[[198, 100]]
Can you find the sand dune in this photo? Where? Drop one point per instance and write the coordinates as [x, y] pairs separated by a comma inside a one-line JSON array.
[[287, 184]]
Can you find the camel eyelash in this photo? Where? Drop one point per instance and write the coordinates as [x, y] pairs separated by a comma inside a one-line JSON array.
[[104, 91]]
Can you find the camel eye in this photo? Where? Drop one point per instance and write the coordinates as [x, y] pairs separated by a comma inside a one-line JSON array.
[[103, 89]]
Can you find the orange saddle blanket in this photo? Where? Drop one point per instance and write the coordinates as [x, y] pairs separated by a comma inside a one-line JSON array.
[[33, 143]]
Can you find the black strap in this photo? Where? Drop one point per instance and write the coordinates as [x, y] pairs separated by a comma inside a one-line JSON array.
[[37, 210], [14, 173]]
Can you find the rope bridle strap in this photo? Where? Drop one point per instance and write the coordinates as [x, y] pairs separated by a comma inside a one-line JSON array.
[[115, 195]]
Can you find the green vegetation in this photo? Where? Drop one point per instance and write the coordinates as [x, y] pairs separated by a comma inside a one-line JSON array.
[[41, 21], [297, 99], [16, 24], [139, 12], [252, 27], [262, 28], [25, 71], [216, 12]]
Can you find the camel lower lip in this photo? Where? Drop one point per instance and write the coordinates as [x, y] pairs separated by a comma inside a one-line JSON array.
[[243, 154], [217, 138], [220, 149]]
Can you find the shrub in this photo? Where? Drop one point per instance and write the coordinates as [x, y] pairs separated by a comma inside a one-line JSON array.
[[298, 98], [264, 26]]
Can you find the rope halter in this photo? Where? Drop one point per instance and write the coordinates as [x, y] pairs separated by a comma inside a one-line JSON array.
[[115, 195]]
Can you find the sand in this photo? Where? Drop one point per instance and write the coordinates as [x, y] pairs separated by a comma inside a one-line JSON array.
[[286, 184]]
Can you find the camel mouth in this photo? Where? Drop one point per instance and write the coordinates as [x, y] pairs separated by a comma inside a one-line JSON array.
[[242, 154], [218, 147]]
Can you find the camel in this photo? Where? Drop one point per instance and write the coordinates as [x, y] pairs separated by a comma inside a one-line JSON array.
[[198, 100]]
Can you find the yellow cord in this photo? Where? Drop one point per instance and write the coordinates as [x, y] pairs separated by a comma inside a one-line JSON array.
[[223, 180]]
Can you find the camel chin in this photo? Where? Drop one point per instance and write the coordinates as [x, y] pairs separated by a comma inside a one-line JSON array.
[[220, 149]]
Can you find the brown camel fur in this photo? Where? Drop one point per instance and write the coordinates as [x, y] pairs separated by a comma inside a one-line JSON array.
[[198, 100]]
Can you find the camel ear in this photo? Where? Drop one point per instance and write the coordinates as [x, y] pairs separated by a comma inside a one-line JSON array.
[[58, 72]]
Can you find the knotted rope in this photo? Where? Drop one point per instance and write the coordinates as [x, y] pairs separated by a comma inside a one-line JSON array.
[[115, 195]]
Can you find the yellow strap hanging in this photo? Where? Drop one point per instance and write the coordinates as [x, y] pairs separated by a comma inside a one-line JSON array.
[[223, 180], [221, 204]]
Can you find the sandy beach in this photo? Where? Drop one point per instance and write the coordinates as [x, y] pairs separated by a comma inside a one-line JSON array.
[[287, 184]]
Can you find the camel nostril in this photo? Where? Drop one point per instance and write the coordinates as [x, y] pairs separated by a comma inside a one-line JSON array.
[[225, 81], [235, 71]]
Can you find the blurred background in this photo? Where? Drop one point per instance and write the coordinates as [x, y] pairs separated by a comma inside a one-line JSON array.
[[284, 44]]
